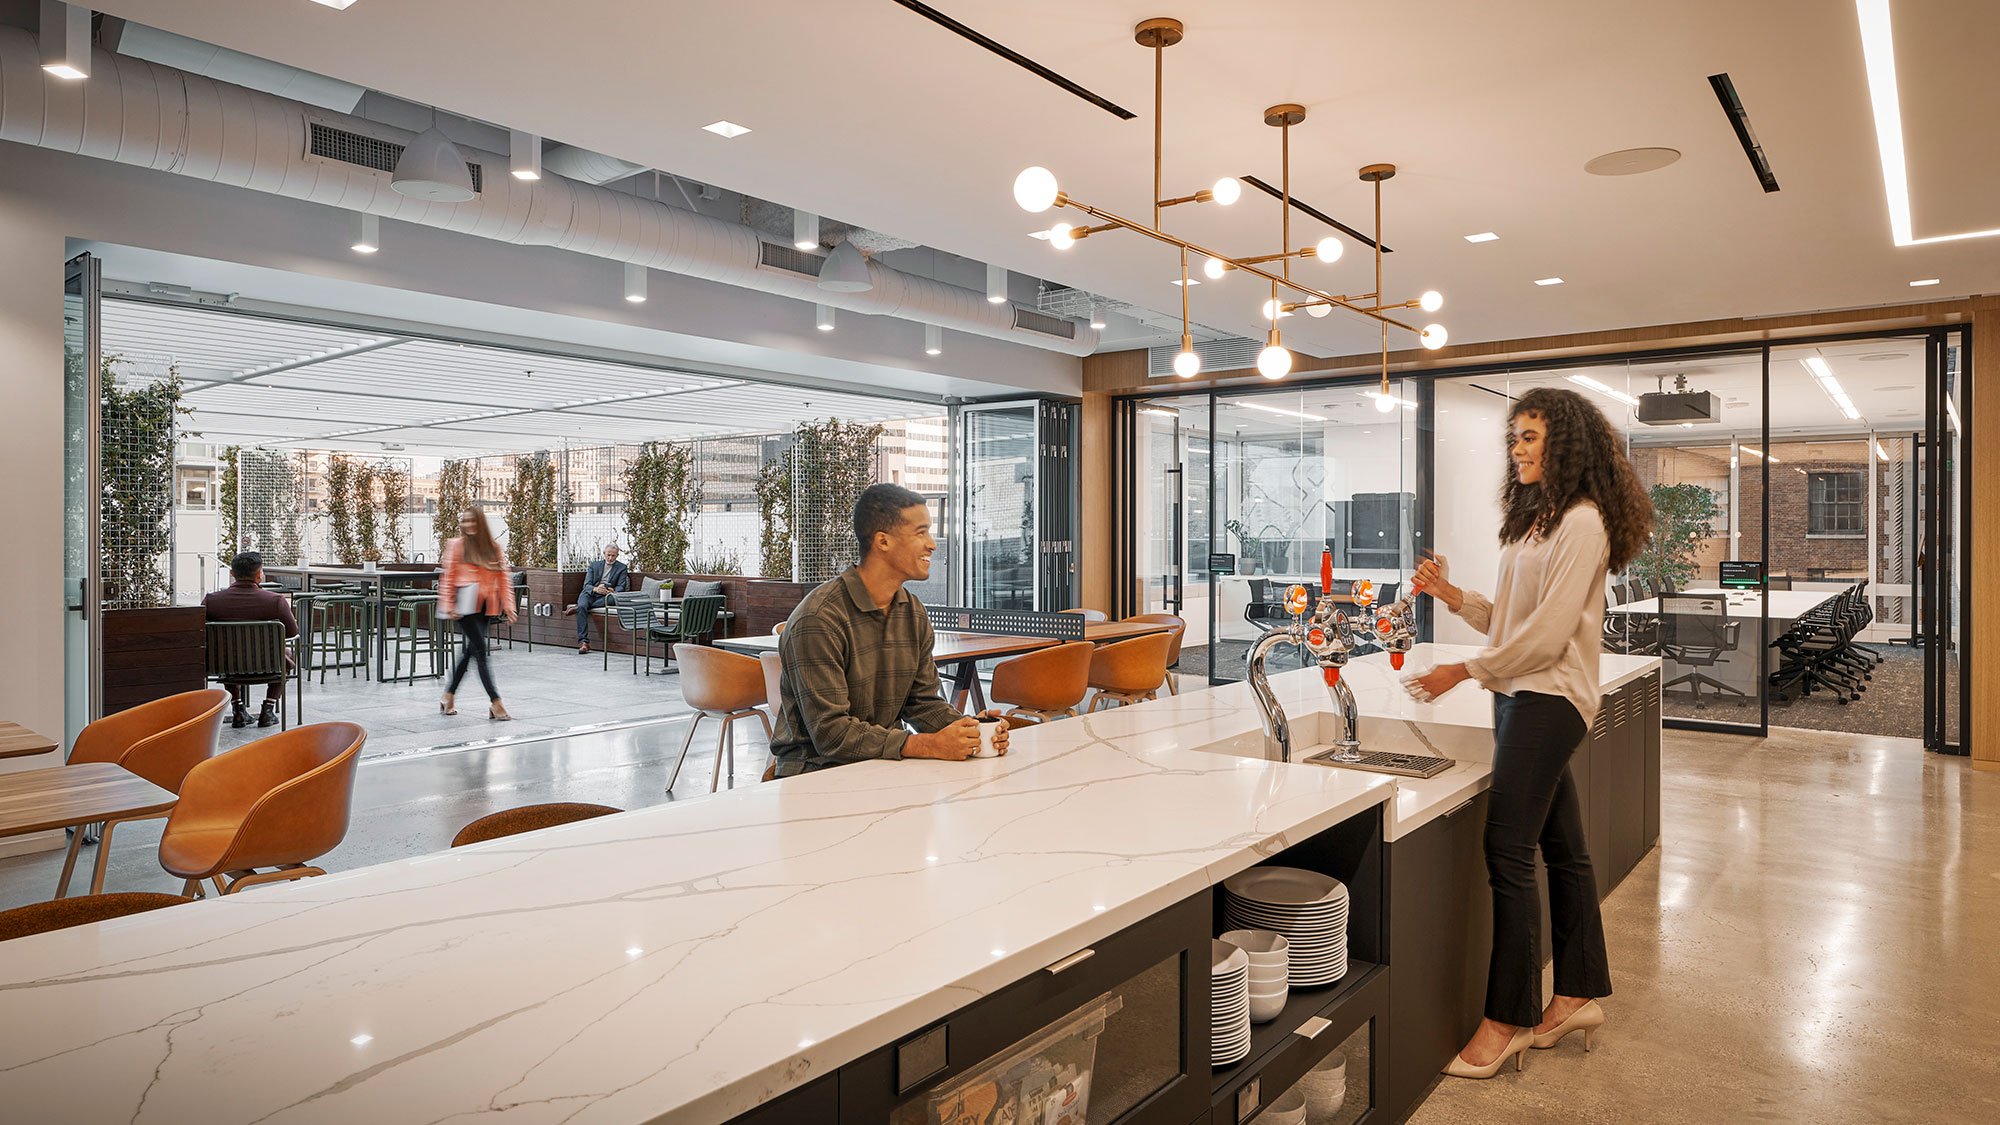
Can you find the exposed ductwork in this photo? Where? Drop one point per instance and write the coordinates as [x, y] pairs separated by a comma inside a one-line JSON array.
[[585, 166], [135, 112]]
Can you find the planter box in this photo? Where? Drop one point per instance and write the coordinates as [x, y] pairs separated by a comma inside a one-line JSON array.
[[153, 653], [758, 603]]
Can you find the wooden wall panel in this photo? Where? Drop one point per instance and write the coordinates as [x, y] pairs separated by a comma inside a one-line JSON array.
[[153, 653], [1983, 600], [1096, 561]]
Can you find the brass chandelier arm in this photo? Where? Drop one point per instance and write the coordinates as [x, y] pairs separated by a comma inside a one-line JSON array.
[[1194, 248]]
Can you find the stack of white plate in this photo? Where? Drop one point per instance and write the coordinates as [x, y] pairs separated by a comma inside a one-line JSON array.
[[1310, 909], [1228, 1003]]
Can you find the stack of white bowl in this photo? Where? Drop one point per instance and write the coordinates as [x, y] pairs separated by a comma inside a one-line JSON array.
[[1228, 1003], [1288, 1109], [1310, 909], [1325, 1087], [1269, 965]]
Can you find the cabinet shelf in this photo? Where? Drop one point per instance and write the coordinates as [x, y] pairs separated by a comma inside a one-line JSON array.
[[1267, 1040]]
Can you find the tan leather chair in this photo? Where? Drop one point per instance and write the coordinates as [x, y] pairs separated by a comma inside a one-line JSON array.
[[527, 818], [1174, 650], [1046, 684], [62, 913], [279, 802], [1129, 671], [723, 685], [159, 741], [1092, 615]]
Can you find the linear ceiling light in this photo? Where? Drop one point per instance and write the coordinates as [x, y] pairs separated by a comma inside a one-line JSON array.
[[823, 317], [1926, 281], [805, 230], [367, 233], [1281, 410], [635, 283], [1878, 48], [1759, 456], [524, 155], [1600, 388], [996, 284], [65, 40], [1829, 384], [933, 340], [1548, 281], [1880, 452]]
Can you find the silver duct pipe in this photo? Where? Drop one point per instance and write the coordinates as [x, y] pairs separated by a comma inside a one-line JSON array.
[[151, 116], [585, 166]]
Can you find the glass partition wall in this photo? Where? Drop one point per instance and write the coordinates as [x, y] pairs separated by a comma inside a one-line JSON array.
[[1803, 572]]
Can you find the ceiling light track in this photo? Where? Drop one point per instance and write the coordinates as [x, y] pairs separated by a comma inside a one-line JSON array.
[[1018, 59], [1739, 120], [1037, 190], [1309, 209]]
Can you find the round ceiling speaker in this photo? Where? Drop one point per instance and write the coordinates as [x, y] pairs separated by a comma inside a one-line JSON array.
[[1632, 161]]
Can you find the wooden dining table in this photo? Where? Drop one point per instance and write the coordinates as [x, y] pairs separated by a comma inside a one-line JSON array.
[[962, 652], [73, 796], [17, 741]]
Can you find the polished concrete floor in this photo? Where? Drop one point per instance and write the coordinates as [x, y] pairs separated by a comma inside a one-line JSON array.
[[1812, 942]]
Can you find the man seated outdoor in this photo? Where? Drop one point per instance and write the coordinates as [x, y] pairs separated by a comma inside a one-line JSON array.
[[606, 576], [245, 599], [857, 655]]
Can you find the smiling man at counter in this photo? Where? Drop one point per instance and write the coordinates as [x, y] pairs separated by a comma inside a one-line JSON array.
[[857, 655]]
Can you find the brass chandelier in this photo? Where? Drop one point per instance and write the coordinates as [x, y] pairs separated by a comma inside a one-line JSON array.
[[1036, 190]]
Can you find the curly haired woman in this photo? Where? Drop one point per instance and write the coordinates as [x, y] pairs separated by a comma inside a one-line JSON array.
[[1573, 511]]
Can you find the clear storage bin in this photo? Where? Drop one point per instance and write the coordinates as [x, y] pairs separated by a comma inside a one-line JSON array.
[[1041, 1080]]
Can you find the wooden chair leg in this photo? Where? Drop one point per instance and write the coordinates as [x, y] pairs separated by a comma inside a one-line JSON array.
[[191, 889], [715, 781], [103, 858], [217, 880], [685, 743]]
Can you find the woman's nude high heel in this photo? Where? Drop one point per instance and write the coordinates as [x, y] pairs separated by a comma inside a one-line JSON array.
[[1517, 1049], [1586, 1019]]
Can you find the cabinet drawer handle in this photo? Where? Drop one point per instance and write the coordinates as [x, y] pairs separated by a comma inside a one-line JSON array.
[[1312, 1027], [1462, 806], [1071, 961]]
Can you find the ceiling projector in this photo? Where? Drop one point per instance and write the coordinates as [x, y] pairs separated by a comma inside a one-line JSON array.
[[1674, 408]]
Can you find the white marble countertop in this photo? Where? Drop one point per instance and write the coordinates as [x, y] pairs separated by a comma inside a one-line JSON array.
[[682, 963]]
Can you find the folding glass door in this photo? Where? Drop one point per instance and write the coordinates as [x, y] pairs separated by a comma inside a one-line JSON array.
[[82, 690], [1016, 487]]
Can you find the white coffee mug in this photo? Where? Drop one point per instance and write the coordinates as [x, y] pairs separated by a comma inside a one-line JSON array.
[[988, 725]]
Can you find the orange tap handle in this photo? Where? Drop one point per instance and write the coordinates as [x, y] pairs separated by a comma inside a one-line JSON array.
[[1326, 570], [1396, 661], [1332, 676]]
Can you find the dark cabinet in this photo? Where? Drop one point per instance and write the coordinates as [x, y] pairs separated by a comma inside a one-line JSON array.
[[1440, 932]]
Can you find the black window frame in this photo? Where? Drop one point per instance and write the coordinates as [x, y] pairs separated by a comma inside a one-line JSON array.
[[1836, 516]]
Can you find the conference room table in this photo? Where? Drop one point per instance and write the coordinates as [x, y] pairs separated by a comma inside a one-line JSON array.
[[1786, 606], [962, 652]]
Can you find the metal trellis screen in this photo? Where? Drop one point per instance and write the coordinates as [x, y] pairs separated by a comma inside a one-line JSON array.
[[270, 508], [140, 405]]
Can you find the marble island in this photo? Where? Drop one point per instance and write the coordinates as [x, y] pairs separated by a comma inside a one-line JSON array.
[[691, 961]]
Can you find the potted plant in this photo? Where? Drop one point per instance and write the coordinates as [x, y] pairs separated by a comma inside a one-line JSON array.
[[1686, 515]]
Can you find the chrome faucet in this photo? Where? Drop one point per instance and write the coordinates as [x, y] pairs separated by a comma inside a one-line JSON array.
[[1330, 636]]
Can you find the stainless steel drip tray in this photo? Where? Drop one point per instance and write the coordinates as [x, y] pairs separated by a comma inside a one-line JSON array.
[[1403, 765]]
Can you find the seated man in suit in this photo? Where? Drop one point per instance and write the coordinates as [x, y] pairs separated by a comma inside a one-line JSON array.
[[606, 576], [245, 599]]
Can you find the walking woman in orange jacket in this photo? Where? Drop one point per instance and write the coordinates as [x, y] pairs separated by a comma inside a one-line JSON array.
[[472, 589]]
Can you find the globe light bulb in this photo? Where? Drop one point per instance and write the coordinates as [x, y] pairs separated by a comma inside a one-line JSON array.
[[1274, 362], [1329, 249], [1214, 268], [1317, 311], [1431, 301], [1434, 336], [1273, 309], [1384, 402], [1187, 364], [1060, 236], [1227, 190], [1035, 189]]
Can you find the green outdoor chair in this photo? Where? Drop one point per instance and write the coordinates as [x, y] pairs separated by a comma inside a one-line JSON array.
[[695, 624], [637, 613], [246, 653]]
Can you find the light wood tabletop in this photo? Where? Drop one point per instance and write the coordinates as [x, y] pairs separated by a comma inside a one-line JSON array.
[[1105, 632], [17, 741], [73, 796]]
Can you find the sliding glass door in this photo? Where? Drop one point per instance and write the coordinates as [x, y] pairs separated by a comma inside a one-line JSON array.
[[82, 629]]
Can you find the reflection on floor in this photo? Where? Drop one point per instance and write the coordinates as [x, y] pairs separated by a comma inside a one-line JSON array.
[[1806, 945], [548, 691]]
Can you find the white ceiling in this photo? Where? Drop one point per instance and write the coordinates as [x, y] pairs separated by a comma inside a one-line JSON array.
[[879, 117], [343, 388]]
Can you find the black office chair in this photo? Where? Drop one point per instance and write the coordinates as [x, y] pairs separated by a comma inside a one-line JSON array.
[[1695, 633]]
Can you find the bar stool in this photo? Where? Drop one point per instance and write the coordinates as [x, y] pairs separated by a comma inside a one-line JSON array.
[[1129, 671], [1173, 650], [723, 685], [413, 629], [340, 628], [1046, 684]]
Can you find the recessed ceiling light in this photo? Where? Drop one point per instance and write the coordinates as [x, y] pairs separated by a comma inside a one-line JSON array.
[[1926, 281], [363, 1039], [725, 129], [337, 5], [1489, 236], [1548, 281]]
